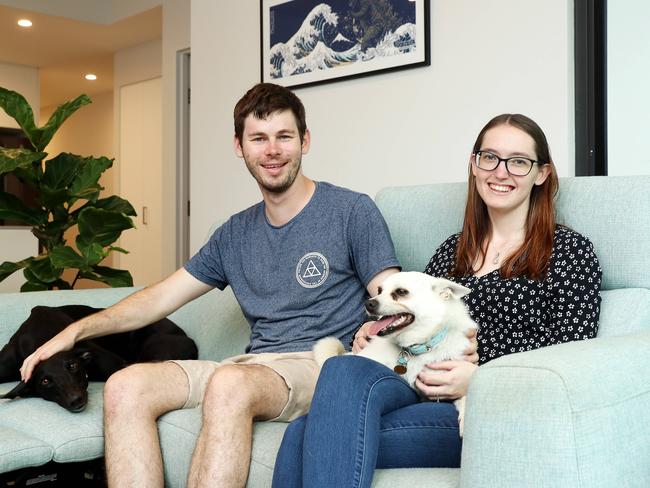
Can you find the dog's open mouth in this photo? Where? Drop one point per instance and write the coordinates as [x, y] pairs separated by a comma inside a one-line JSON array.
[[391, 323]]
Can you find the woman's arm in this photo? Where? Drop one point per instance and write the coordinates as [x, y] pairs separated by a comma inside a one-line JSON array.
[[575, 277]]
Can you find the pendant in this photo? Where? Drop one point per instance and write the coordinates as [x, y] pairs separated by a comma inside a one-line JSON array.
[[496, 258], [400, 369]]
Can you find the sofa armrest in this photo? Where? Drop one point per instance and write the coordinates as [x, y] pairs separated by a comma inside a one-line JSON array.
[[576, 414]]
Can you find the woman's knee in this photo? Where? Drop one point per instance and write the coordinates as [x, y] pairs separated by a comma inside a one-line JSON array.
[[354, 372]]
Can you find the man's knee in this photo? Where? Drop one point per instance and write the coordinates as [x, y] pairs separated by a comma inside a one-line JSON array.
[[149, 388], [238, 389], [126, 387]]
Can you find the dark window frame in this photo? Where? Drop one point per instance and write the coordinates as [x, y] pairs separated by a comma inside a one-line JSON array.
[[590, 20]]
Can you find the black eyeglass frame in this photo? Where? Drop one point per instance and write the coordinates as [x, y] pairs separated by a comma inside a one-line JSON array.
[[477, 155]]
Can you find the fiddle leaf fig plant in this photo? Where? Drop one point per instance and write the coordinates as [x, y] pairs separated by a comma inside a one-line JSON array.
[[67, 195]]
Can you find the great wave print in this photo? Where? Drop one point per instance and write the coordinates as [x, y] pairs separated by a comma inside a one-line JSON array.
[[308, 37]]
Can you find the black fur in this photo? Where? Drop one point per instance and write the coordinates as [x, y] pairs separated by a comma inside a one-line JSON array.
[[63, 378]]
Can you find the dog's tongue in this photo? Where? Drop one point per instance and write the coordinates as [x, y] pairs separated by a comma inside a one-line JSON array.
[[380, 325]]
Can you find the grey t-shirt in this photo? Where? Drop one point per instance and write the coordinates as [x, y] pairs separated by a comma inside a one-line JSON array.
[[303, 280]]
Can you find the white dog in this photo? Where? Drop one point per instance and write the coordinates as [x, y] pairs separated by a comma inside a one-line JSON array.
[[422, 319]]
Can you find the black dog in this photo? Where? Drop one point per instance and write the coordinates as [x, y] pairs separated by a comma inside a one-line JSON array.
[[63, 378]]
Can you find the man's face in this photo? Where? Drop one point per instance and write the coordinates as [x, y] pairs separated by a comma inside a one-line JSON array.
[[272, 150]]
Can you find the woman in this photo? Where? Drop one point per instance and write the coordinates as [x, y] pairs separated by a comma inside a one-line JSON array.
[[534, 283]]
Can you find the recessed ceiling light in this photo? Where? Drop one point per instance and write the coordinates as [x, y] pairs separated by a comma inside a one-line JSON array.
[[91, 77], [25, 23]]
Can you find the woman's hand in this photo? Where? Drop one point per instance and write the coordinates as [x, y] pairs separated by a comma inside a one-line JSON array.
[[361, 338], [447, 380], [471, 353]]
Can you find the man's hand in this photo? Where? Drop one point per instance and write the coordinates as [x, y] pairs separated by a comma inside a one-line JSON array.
[[63, 341], [471, 353], [447, 380], [361, 338]]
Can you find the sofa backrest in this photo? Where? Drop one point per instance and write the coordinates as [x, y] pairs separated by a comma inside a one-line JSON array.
[[612, 211]]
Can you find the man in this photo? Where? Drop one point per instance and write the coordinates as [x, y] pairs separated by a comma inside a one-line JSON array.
[[300, 263]]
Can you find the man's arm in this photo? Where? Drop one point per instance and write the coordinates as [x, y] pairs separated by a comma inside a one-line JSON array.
[[135, 311]]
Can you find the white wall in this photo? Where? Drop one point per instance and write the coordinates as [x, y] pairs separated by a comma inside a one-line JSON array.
[[139, 63], [628, 81], [24, 80], [176, 37], [18, 243], [404, 128]]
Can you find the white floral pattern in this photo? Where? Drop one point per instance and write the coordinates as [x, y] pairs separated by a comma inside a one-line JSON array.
[[519, 314]]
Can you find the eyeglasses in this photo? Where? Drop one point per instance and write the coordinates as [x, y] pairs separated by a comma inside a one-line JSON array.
[[516, 166]]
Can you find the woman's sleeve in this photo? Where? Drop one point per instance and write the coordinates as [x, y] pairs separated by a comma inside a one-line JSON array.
[[442, 261], [575, 290]]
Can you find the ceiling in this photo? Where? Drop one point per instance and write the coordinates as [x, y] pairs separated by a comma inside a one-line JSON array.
[[65, 50]]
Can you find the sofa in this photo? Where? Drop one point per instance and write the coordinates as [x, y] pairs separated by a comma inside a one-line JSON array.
[[572, 415]]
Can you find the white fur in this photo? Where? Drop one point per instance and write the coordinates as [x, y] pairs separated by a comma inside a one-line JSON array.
[[435, 303]]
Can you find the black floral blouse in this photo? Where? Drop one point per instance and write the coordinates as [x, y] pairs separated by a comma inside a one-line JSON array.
[[519, 314]]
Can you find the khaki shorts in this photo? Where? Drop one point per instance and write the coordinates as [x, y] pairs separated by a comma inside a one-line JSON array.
[[298, 369]]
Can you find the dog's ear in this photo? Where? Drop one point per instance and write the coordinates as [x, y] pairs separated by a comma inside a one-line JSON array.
[[22, 389], [86, 356], [448, 289]]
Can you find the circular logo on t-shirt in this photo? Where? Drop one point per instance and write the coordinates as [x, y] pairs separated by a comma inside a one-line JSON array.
[[312, 270]]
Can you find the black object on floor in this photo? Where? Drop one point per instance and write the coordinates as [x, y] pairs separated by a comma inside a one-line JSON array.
[[87, 474]]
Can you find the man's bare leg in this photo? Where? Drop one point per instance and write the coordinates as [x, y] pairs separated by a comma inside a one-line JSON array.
[[236, 396], [134, 398]]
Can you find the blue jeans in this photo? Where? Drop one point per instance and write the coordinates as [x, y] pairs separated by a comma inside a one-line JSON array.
[[364, 416]]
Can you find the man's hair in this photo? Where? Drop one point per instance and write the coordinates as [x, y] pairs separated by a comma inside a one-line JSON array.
[[265, 99]]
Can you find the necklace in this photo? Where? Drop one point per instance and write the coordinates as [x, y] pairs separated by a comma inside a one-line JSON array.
[[496, 258]]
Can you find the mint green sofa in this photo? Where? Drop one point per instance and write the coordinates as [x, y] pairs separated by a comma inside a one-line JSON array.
[[574, 415]]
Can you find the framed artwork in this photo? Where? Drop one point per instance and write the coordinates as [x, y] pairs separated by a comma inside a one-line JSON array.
[[306, 42]]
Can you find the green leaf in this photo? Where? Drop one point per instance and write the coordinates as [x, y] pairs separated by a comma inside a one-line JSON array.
[[118, 249], [12, 159], [42, 269], [113, 203], [33, 286], [85, 184], [116, 204], [12, 208], [66, 257], [17, 107], [43, 136], [8, 268], [110, 276], [61, 170], [101, 226], [93, 253], [50, 198]]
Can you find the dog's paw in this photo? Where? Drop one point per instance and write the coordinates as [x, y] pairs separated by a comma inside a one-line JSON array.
[[460, 406], [327, 348]]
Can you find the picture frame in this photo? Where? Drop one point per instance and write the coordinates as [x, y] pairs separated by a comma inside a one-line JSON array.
[[306, 42]]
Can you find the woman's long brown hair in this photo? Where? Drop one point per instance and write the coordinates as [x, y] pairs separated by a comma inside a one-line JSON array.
[[532, 257]]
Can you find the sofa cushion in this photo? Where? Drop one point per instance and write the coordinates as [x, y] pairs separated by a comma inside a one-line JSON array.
[[18, 450], [70, 436], [178, 431], [624, 311]]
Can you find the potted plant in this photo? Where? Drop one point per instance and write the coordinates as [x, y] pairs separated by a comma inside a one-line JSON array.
[[67, 195]]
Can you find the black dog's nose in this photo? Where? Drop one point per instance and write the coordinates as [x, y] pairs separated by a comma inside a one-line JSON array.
[[371, 305], [77, 403]]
